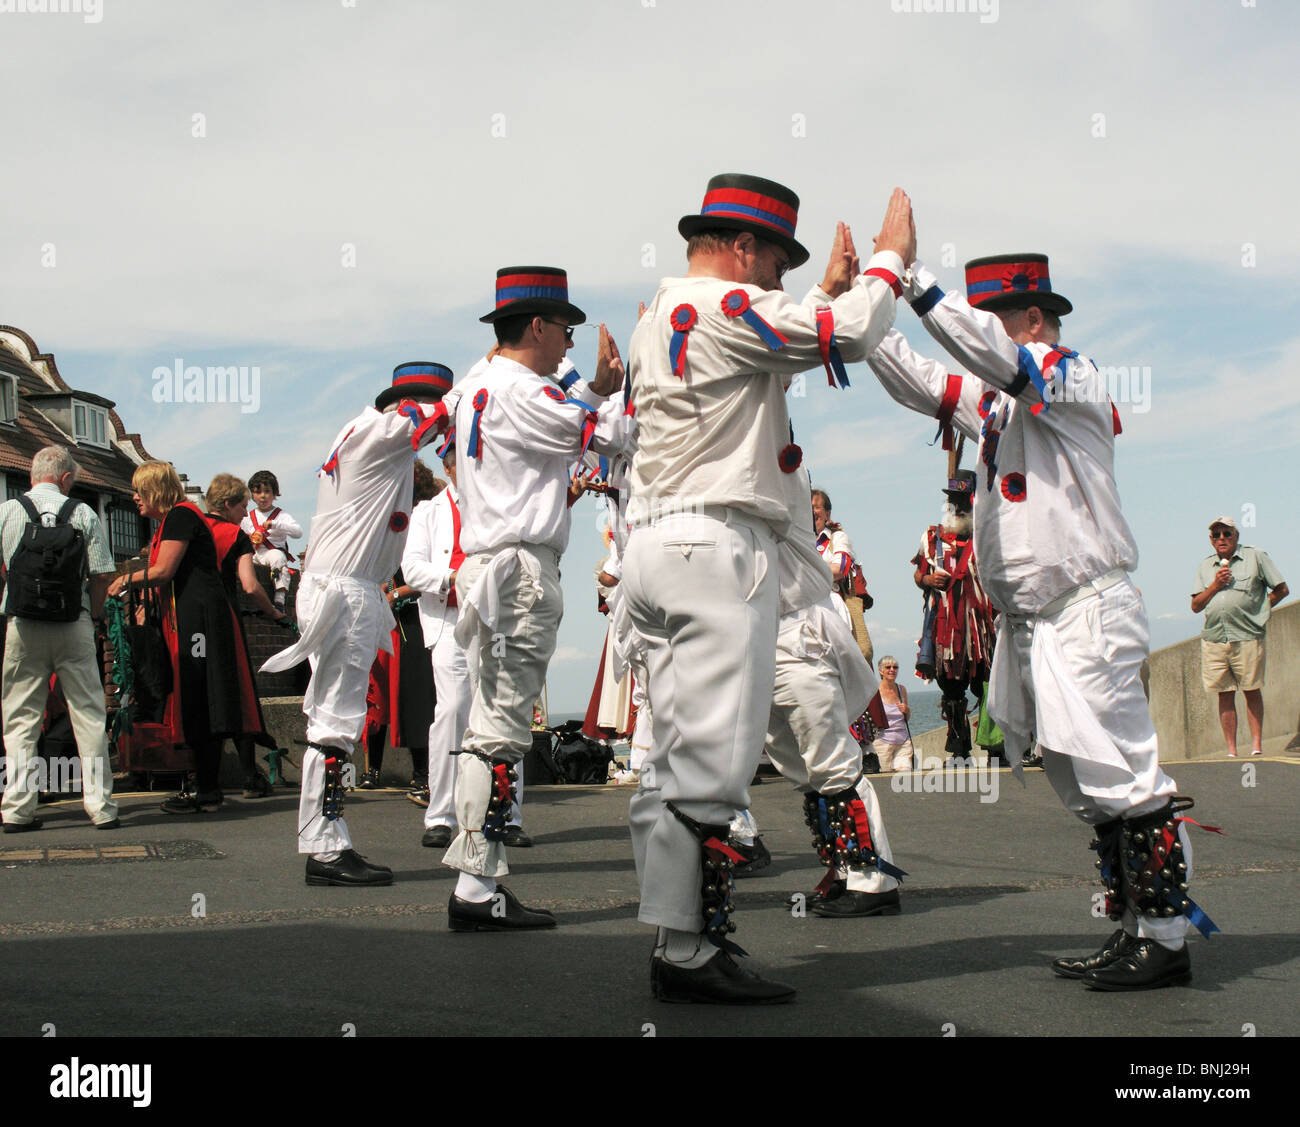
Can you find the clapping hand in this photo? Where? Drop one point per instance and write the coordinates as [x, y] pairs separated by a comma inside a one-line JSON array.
[[844, 265], [609, 365], [898, 231]]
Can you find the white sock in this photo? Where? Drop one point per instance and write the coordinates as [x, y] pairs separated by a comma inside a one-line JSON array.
[[326, 858], [475, 889], [687, 949]]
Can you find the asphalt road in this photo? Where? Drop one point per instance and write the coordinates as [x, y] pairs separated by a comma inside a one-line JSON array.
[[203, 925]]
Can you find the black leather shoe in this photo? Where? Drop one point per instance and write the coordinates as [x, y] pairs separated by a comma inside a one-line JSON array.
[[1076, 966], [755, 858], [515, 838], [368, 864], [439, 837], [115, 824], [1143, 966], [500, 913], [850, 904], [349, 869], [720, 982], [23, 827], [369, 781]]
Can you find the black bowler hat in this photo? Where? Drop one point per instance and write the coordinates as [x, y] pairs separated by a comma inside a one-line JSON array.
[[419, 377], [1012, 281], [534, 289], [736, 202]]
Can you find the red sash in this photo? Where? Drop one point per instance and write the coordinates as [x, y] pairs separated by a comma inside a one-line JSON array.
[[266, 540], [457, 556]]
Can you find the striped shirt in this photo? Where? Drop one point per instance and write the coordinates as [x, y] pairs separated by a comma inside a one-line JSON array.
[[47, 499]]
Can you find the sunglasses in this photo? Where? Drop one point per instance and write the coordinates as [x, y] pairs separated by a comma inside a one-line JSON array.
[[1222, 535], [568, 329]]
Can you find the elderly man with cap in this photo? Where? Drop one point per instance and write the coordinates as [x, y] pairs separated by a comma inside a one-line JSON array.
[[518, 435], [1056, 554], [1237, 587], [713, 489], [357, 536]]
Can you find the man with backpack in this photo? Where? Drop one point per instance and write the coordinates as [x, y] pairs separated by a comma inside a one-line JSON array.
[[57, 567]]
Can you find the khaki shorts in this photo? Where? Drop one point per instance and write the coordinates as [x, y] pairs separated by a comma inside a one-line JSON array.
[[1226, 666]]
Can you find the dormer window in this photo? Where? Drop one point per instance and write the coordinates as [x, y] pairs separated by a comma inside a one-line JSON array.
[[89, 424], [8, 398]]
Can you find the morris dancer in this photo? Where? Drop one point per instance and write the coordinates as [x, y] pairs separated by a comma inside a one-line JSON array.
[[357, 536], [957, 632], [518, 433], [822, 683], [712, 492], [1056, 553]]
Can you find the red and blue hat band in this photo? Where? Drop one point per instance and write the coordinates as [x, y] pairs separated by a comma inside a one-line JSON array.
[[434, 374], [983, 282], [517, 287], [736, 203]]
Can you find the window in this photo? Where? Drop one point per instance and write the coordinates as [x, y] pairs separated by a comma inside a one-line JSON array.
[[89, 424], [8, 398], [126, 532], [14, 487]]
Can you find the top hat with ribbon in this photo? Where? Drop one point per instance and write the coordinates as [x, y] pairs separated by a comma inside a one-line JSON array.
[[1012, 281], [961, 483], [418, 378], [736, 202], [533, 289]]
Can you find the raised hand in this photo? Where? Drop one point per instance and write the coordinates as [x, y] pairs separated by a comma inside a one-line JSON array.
[[609, 365], [843, 266], [898, 232]]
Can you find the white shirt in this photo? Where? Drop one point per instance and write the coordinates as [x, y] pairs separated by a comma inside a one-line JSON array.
[[278, 531], [713, 436], [1067, 527], [805, 577], [426, 561], [530, 434], [363, 507]]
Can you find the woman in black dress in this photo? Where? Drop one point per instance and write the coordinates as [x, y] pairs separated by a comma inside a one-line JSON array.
[[227, 500], [198, 626]]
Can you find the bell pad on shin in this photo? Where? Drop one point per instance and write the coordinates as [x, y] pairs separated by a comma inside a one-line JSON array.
[[841, 832], [1153, 868], [501, 802], [332, 794], [717, 884]]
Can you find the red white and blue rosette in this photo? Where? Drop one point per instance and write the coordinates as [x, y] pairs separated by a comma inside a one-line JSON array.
[[474, 447], [1013, 486], [736, 304], [683, 320]]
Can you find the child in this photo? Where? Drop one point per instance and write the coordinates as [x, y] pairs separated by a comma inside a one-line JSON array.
[[270, 529]]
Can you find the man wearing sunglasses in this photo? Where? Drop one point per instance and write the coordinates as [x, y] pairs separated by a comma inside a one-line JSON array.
[[519, 430], [1237, 587]]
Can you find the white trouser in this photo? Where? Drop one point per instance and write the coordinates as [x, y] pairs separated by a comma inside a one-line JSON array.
[[639, 747], [808, 730], [514, 625], [1074, 678], [894, 757], [34, 651], [702, 591], [344, 623], [454, 688], [277, 561]]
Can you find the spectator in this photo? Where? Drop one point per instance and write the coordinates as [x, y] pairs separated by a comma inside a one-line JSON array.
[[37, 647], [846, 575], [226, 498], [890, 713], [270, 528], [200, 631], [1238, 587]]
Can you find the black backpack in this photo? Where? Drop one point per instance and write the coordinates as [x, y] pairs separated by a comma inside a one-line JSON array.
[[48, 567]]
